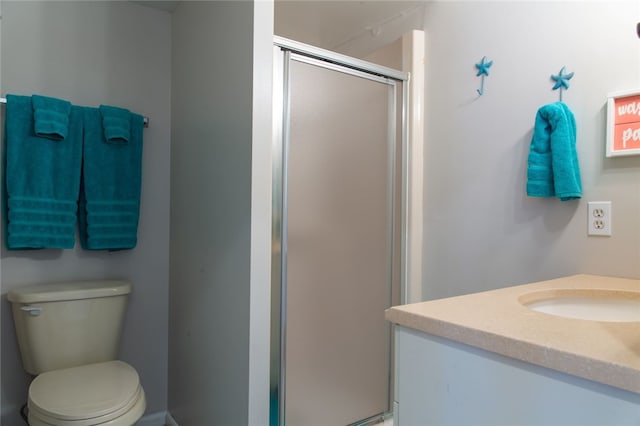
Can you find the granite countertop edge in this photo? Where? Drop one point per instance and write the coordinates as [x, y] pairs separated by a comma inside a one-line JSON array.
[[496, 321]]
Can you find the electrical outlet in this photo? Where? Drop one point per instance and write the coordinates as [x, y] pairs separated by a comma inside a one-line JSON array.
[[599, 218]]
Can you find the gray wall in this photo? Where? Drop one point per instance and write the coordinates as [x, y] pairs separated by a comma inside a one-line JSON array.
[[481, 230], [211, 160], [90, 53]]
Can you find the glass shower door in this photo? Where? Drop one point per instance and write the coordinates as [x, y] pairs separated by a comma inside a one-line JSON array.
[[339, 232]]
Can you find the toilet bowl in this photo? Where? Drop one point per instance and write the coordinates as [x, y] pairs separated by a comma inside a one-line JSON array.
[[107, 393], [68, 334]]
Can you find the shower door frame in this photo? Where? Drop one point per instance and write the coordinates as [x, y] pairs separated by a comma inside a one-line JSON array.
[[286, 50]]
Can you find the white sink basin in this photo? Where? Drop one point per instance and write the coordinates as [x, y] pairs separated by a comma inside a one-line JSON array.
[[587, 304]]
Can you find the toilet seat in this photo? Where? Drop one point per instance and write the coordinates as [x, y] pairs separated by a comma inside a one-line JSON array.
[[87, 395]]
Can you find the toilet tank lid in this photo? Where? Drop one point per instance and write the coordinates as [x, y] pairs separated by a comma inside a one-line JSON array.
[[55, 292]]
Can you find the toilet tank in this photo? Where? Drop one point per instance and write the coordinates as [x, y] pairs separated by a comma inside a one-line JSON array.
[[60, 325]]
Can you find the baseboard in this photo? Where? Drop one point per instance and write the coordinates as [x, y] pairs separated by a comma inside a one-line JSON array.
[[171, 421], [153, 419]]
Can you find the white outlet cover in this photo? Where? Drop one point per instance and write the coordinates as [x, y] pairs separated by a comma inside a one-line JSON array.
[[599, 218]]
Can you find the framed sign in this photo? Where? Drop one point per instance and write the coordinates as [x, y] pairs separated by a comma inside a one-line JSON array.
[[623, 123]]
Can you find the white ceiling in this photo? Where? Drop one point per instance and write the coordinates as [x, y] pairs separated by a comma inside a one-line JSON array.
[[333, 24]]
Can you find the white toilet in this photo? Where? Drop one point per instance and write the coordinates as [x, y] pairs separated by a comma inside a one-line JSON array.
[[69, 335]]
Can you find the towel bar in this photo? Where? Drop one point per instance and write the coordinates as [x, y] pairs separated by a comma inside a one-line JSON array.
[[146, 119]]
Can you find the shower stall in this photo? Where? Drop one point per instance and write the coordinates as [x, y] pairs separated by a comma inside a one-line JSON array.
[[339, 162]]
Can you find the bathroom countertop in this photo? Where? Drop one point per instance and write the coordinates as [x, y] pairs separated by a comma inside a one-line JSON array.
[[604, 352]]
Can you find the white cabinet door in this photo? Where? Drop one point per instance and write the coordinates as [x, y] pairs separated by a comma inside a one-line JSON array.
[[442, 383]]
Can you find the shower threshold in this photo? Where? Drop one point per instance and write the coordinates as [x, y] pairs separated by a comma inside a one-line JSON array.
[[383, 419]]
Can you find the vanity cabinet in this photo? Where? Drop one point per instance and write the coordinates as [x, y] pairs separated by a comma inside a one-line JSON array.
[[441, 382], [489, 359]]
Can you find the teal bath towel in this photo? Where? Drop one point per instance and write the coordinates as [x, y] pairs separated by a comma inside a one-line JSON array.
[[111, 179], [116, 123], [42, 177], [51, 117], [553, 160]]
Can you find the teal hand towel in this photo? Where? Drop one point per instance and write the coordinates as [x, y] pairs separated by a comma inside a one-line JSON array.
[[553, 168], [41, 180], [51, 117], [111, 179], [116, 123]]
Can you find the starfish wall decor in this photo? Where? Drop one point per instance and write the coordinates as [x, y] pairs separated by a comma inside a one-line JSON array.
[[483, 70], [561, 81]]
